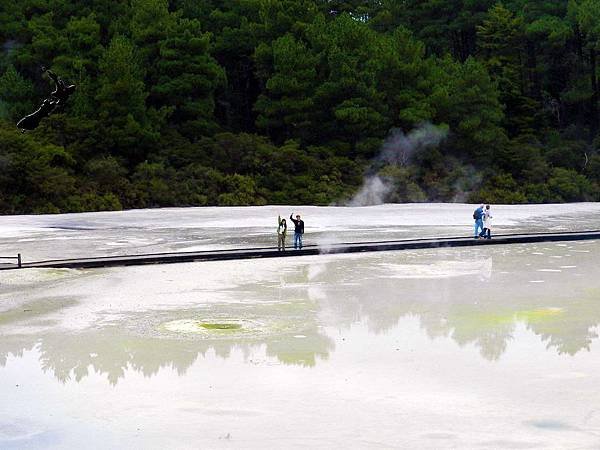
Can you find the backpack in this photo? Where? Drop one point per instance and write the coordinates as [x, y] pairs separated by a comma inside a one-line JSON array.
[[476, 215]]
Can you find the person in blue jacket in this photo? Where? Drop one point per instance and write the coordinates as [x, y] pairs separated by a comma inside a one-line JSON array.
[[478, 216]]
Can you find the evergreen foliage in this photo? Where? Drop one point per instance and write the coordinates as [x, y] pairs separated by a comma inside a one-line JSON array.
[[210, 102]]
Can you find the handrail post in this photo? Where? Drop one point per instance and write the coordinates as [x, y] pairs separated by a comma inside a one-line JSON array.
[[19, 260]]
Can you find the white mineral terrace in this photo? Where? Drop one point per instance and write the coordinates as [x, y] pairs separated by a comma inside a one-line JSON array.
[[486, 347]]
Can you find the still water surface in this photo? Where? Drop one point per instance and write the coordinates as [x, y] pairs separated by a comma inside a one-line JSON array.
[[489, 347]]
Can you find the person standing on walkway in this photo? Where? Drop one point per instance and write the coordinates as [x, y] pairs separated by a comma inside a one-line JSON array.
[[298, 230], [281, 232], [478, 216], [486, 233]]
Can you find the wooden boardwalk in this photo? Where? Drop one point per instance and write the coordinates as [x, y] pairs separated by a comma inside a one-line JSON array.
[[251, 253]]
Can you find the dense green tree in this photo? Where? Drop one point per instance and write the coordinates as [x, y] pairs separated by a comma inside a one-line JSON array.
[[407, 79], [338, 70], [444, 26], [15, 100], [121, 101], [187, 78], [588, 21], [470, 105], [502, 45], [35, 178], [238, 32], [150, 23], [286, 107], [180, 102]]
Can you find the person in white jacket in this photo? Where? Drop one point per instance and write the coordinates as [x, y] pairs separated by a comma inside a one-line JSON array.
[[486, 233]]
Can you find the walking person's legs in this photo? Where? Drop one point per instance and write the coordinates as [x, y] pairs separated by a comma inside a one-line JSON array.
[[478, 227], [489, 233]]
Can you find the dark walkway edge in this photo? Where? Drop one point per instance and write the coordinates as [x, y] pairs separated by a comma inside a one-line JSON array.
[[254, 253]]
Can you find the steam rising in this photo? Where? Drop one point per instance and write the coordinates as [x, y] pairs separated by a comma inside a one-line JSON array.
[[398, 149], [374, 191]]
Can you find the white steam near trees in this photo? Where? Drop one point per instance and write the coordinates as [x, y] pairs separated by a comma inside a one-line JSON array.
[[398, 149]]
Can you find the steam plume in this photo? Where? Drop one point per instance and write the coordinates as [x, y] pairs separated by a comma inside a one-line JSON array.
[[398, 149]]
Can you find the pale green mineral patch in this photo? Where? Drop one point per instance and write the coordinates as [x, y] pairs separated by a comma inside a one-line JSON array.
[[539, 315], [197, 326], [221, 326]]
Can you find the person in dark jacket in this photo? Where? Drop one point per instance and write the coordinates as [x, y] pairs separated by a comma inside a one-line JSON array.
[[298, 230]]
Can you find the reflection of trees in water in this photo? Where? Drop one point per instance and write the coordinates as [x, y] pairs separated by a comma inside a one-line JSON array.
[[16, 346], [70, 356], [480, 308], [291, 335], [573, 328], [302, 350], [295, 339]]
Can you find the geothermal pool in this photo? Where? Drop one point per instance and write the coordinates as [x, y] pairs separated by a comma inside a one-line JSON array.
[[484, 347]]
